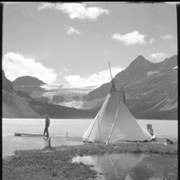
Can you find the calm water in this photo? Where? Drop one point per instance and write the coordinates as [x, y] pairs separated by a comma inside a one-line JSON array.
[[128, 166], [58, 129]]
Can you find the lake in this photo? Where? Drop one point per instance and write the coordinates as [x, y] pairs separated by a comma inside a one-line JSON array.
[[128, 166], [58, 129]]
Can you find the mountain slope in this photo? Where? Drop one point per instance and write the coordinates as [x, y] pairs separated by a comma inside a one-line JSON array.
[[150, 89], [6, 84], [19, 104], [14, 106], [17, 107], [27, 80], [30, 85], [138, 69], [154, 97], [56, 94]]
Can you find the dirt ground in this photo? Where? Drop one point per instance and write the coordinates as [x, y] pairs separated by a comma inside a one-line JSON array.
[[55, 163]]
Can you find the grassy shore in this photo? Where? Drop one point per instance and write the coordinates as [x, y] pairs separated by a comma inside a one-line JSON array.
[[55, 163]]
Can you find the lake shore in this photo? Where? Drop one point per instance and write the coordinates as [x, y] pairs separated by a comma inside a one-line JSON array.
[[55, 163]]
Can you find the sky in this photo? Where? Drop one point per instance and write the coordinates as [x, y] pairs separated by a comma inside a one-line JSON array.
[[70, 44]]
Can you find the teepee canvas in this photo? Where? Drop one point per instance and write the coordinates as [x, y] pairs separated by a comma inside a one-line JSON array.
[[115, 122]]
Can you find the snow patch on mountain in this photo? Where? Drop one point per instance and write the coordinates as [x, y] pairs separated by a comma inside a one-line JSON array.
[[74, 103], [152, 72]]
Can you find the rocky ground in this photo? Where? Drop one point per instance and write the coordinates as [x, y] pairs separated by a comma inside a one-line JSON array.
[[55, 163]]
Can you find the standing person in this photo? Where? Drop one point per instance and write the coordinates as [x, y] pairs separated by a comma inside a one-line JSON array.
[[47, 123]]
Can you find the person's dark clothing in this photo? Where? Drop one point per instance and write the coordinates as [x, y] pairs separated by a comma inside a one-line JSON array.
[[47, 123]]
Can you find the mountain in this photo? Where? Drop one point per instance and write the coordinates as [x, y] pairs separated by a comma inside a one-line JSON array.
[[56, 94], [14, 106], [6, 84], [30, 85], [65, 95], [138, 69], [154, 97], [27, 81], [150, 89], [19, 104], [58, 111]]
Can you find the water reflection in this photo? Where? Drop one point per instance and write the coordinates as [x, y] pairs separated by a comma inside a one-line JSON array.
[[126, 166]]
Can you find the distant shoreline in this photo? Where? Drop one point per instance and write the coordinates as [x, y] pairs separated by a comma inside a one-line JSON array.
[[91, 118]]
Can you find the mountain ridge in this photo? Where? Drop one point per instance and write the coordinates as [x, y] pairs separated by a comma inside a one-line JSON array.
[[150, 90], [131, 74], [27, 80], [19, 104]]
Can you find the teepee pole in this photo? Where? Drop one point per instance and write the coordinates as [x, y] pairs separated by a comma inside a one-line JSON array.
[[112, 128], [112, 80], [110, 70], [91, 129], [99, 128]]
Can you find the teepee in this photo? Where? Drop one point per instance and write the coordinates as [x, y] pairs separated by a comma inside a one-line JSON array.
[[115, 122]]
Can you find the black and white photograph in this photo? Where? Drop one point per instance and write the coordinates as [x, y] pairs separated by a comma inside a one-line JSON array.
[[89, 91]]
